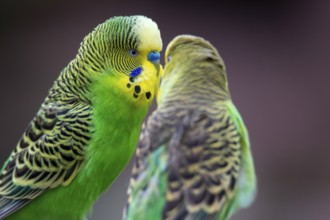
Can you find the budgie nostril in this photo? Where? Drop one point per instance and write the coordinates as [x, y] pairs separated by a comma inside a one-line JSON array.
[[154, 57]]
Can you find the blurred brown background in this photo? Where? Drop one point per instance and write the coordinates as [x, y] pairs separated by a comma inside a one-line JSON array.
[[277, 57]]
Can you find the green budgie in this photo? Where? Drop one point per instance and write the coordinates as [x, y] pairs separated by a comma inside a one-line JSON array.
[[88, 126], [193, 160]]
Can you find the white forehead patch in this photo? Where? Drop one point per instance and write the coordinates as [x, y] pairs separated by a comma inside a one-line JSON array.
[[148, 32]]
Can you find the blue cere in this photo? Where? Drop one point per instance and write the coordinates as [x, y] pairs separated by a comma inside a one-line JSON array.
[[154, 56], [136, 72]]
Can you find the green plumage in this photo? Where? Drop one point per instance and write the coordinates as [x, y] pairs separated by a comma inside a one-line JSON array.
[[193, 160], [88, 126]]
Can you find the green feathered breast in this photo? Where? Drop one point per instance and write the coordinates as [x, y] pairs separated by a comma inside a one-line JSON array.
[[193, 161], [88, 126]]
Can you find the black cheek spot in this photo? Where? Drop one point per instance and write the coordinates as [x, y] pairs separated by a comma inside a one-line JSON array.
[[148, 95], [128, 85], [131, 79], [137, 89], [135, 95]]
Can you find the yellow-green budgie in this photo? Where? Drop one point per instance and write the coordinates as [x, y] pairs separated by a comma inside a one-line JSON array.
[[88, 126], [193, 161]]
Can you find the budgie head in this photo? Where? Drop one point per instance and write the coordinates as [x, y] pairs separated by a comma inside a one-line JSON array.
[[191, 59], [124, 53]]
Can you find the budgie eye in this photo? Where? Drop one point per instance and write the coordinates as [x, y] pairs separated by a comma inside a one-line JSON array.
[[133, 52], [169, 58]]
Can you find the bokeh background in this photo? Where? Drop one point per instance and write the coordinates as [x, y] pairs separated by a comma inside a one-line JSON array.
[[277, 57]]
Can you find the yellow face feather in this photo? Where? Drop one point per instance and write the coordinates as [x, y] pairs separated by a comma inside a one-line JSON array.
[[147, 30], [147, 85], [143, 89]]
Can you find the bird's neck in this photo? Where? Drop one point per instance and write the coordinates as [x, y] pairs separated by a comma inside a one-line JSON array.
[[191, 91], [74, 81], [116, 132]]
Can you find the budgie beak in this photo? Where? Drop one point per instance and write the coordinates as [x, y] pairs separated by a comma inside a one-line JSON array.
[[154, 57]]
